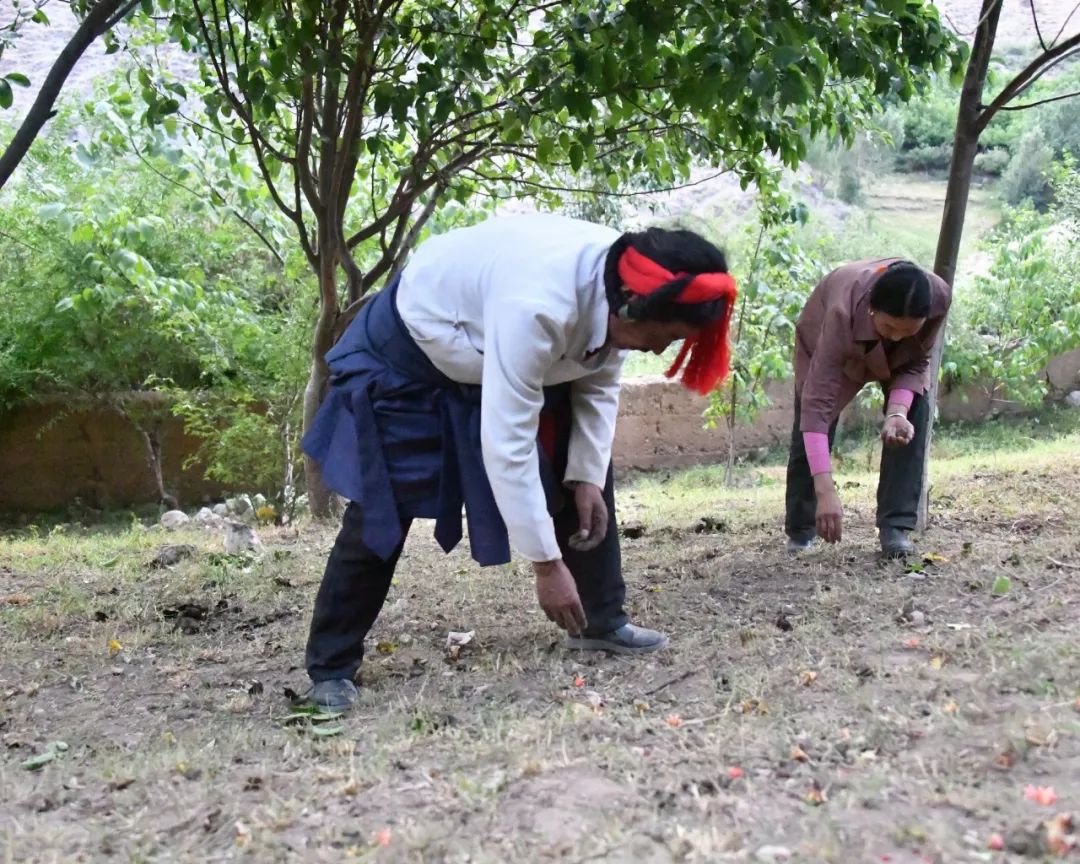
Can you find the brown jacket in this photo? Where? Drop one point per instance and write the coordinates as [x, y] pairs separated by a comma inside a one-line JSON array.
[[837, 349]]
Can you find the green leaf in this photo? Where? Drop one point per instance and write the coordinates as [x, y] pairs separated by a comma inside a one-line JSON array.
[[278, 63], [785, 55], [577, 156], [544, 148], [320, 716], [49, 212], [84, 233], [793, 88], [39, 17], [384, 95], [52, 750], [18, 78], [295, 717], [36, 763], [5, 94], [327, 731], [85, 157], [1002, 586], [880, 19]]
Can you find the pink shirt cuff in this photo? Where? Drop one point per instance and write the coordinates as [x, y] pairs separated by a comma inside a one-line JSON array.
[[817, 452], [901, 396]]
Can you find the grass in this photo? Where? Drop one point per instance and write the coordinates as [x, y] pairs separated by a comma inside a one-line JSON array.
[[870, 709]]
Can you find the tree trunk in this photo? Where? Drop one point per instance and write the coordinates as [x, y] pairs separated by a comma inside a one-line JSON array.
[[100, 18], [322, 340], [965, 148]]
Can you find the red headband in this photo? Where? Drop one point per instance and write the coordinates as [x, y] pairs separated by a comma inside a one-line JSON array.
[[708, 350]]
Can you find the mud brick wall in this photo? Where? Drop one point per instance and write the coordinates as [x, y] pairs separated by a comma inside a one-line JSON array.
[[661, 426], [56, 451]]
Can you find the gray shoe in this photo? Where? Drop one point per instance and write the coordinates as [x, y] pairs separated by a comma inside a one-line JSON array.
[[338, 694], [895, 543], [628, 639], [795, 545]]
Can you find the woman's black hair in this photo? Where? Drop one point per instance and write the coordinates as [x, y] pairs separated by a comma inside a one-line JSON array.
[[902, 291], [677, 250]]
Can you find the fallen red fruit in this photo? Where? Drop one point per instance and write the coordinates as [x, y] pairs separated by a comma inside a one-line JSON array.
[[995, 842], [1044, 795], [734, 773]]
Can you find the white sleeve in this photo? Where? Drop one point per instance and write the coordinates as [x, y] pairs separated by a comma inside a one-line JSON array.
[[594, 407], [521, 342]]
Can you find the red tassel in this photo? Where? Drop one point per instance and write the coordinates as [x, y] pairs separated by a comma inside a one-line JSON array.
[[707, 355]]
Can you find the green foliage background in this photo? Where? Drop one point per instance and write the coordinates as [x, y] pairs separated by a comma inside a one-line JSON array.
[[142, 250]]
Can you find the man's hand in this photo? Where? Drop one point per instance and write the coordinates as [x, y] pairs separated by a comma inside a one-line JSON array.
[[897, 431], [592, 517], [830, 513], [558, 596]]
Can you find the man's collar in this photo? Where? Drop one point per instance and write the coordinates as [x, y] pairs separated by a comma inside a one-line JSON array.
[[598, 328]]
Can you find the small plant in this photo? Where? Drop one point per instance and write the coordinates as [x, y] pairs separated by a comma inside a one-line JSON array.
[[1026, 310], [772, 290]]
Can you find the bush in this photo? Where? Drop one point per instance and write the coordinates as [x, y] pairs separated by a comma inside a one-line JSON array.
[[1060, 121], [1028, 176], [930, 121], [993, 162], [117, 278], [929, 126], [1009, 324], [935, 157], [849, 189], [841, 169]]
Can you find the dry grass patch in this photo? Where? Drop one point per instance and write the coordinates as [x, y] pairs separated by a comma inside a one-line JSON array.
[[832, 707]]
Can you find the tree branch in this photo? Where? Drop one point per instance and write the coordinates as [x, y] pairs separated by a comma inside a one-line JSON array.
[[173, 181], [1027, 105], [1035, 21], [305, 120], [1065, 23], [1023, 78], [598, 191], [90, 28], [121, 15], [392, 263], [258, 141]]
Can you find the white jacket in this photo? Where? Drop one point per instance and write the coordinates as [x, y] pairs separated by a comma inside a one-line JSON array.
[[515, 304]]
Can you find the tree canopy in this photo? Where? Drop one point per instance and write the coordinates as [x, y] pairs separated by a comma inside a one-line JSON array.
[[362, 113], [364, 116]]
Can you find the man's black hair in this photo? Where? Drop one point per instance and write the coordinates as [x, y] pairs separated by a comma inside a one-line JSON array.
[[902, 291], [676, 250]]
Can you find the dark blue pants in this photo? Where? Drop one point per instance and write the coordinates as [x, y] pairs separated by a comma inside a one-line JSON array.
[[899, 483], [356, 580]]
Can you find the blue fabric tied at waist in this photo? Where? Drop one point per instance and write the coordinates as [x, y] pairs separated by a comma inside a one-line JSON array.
[[402, 439]]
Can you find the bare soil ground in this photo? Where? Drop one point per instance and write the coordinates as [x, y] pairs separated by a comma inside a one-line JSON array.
[[831, 708]]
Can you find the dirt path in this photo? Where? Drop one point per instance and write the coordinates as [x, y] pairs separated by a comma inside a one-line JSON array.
[[832, 708]]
